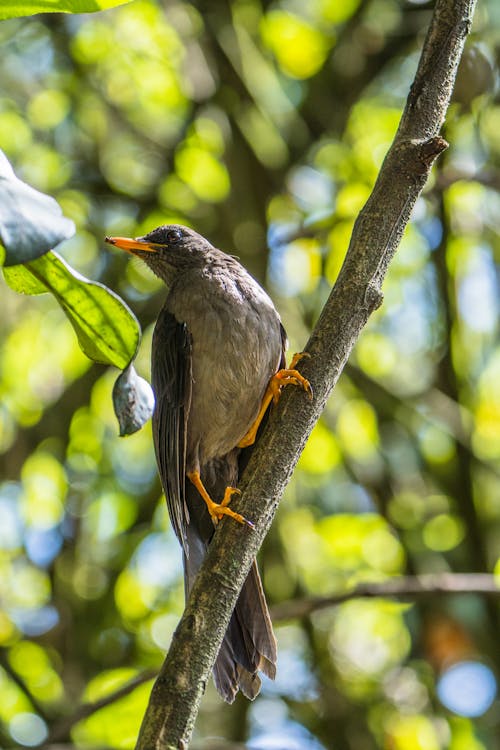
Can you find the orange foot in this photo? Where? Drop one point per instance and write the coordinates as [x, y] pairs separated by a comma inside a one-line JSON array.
[[273, 391], [218, 510]]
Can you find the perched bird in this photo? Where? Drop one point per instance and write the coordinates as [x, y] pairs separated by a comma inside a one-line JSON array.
[[218, 359]]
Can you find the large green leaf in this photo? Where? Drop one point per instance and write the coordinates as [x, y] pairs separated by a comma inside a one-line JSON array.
[[107, 330], [14, 8], [31, 223]]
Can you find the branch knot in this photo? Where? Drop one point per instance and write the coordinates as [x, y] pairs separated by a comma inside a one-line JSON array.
[[430, 150]]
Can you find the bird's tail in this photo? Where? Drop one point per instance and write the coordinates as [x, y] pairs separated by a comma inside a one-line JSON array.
[[249, 645]]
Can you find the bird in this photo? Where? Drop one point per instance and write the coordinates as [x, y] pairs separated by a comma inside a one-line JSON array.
[[217, 363]]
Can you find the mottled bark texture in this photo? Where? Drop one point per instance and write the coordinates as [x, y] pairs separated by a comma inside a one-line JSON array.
[[176, 695]]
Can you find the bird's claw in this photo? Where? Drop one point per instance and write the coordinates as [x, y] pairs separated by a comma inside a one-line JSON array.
[[297, 357], [291, 375], [228, 493], [219, 510], [304, 382]]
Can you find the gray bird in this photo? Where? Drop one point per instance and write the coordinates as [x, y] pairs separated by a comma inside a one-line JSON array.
[[218, 359]]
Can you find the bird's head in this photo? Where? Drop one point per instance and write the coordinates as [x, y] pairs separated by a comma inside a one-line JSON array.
[[167, 250]]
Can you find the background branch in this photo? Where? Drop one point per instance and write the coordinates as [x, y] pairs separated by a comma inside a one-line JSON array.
[[21, 684], [176, 695], [407, 586], [62, 730], [482, 584]]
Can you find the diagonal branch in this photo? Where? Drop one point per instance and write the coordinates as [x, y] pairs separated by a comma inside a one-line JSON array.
[[21, 684], [176, 695], [62, 730]]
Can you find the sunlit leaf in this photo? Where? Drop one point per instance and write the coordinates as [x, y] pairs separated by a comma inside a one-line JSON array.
[[365, 541], [110, 514], [32, 662], [321, 453], [133, 401], [335, 12], [206, 176], [357, 429], [368, 639], [300, 49], [31, 223], [21, 280], [14, 8], [107, 330], [416, 732], [45, 486], [443, 532], [107, 682]]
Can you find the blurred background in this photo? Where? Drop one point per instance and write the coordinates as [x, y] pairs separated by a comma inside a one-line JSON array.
[[263, 125]]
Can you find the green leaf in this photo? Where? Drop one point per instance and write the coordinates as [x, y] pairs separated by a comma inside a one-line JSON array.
[[108, 331], [31, 223], [15, 8], [21, 280]]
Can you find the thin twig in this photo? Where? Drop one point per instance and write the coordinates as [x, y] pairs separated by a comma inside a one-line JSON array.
[[21, 684], [61, 732], [411, 587], [488, 177]]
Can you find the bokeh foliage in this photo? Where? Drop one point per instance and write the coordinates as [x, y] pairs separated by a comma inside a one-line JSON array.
[[263, 125]]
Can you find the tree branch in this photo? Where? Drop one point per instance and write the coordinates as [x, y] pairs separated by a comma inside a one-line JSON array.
[[21, 684], [176, 695], [431, 584], [62, 730]]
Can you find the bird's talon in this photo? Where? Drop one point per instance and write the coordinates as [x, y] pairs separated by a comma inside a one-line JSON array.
[[306, 385], [218, 511], [228, 493], [297, 357]]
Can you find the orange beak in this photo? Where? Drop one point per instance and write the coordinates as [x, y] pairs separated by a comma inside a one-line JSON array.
[[131, 246]]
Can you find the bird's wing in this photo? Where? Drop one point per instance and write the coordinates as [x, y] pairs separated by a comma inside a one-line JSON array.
[[171, 374]]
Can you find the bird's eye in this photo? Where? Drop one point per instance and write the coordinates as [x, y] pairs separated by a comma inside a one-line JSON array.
[[173, 236]]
